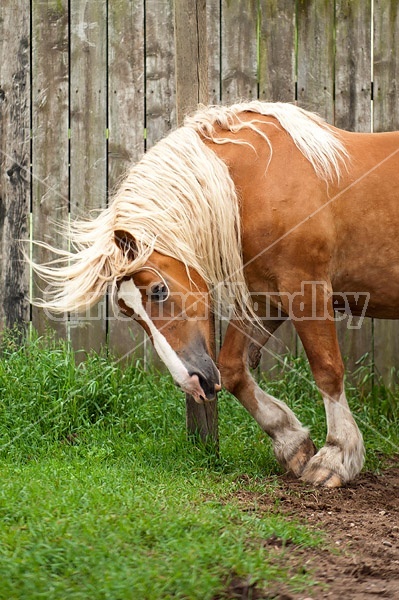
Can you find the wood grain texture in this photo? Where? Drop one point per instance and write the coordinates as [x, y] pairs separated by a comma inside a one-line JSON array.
[[88, 123], [191, 66], [50, 144], [316, 56], [160, 70], [386, 65], [126, 87], [353, 113], [239, 26], [14, 161], [213, 41], [386, 118], [277, 60], [353, 65]]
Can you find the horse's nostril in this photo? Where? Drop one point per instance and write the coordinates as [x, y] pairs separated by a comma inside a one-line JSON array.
[[210, 389]]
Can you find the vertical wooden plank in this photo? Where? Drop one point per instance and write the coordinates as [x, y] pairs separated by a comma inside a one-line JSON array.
[[353, 112], [50, 146], [160, 72], [239, 50], [353, 65], [126, 84], [14, 160], [192, 88], [214, 46], [386, 65], [316, 56], [277, 63], [88, 123], [191, 65], [386, 118]]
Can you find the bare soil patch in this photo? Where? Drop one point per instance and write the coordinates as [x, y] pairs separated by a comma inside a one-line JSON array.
[[361, 521]]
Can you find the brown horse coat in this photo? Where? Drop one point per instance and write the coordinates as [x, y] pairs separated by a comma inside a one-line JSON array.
[[292, 218]]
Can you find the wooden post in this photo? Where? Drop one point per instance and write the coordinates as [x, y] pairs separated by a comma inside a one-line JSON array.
[[190, 56], [14, 161], [50, 184], [191, 89], [126, 132], [88, 144]]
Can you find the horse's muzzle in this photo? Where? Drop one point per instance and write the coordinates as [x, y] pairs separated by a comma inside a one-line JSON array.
[[210, 386], [198, 363]]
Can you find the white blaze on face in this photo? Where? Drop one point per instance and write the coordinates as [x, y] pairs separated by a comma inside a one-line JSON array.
[[131, 296]]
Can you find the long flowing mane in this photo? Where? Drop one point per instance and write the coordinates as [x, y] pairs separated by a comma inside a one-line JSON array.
[[180, 200]]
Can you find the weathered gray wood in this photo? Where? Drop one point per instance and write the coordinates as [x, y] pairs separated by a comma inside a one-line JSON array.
[[190, 56], [202, 419], [213, 54], [386, 65], [14, 160], [239, 50], [316, 56], [386, 118], [277, 59], [88, 123], [126, 86], [353, 113], [50, 144], [160, 70], [277, 77], [353, 65]]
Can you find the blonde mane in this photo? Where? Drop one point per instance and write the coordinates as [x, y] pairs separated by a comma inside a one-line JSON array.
[[180, 200]]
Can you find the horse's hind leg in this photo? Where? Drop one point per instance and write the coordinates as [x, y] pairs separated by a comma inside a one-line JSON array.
[[292, 446], [342, 457]]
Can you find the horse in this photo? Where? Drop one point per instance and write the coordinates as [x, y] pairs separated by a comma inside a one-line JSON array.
[[267, 211]]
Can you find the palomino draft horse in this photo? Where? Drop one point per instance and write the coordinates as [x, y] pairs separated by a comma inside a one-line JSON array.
[[267, 210]]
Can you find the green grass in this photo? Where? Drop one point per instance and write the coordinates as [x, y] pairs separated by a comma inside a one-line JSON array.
[[102, 495]]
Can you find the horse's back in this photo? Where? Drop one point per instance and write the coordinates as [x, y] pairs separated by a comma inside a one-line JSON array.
[[344, 231]]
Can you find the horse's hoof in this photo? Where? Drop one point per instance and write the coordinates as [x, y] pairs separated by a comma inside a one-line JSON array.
[[298, 461], [321, 476]]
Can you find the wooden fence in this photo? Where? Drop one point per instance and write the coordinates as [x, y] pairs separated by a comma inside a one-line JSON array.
[[87, 85]]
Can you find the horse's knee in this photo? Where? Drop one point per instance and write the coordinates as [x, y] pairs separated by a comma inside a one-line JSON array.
[[329, 376], [233, 376]]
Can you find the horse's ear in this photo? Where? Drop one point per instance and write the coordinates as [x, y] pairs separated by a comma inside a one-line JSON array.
[[126, 243]]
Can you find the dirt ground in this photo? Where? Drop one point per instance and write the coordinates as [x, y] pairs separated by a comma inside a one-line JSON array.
[[362, 525]]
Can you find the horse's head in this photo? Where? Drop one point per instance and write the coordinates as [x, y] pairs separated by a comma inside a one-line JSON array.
[[174, 308]]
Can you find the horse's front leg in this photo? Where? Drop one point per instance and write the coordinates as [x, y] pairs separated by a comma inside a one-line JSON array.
[[292, 446], [342, 457]]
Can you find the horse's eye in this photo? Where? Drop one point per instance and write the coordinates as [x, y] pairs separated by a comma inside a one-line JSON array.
[[158, 292]]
